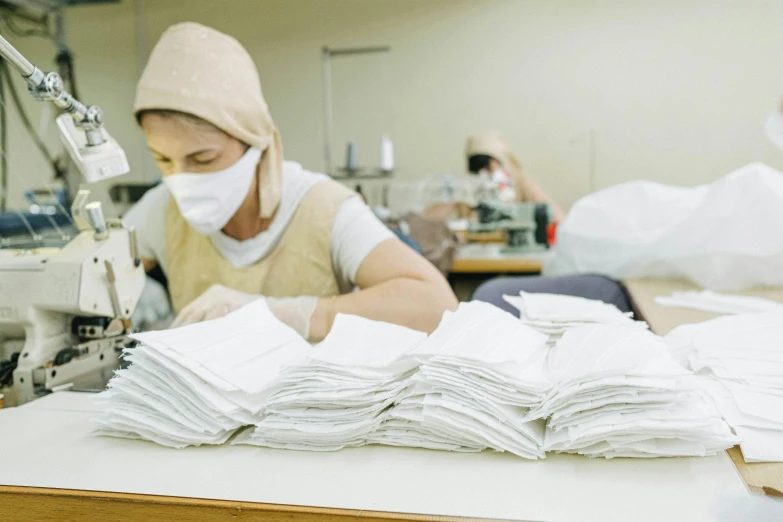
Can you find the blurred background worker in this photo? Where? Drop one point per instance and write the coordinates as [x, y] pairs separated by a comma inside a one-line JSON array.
[[591, 286], [489, 156], [232, 222]]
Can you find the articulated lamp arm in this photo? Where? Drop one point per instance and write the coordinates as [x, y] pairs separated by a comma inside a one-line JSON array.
[[97, 155]]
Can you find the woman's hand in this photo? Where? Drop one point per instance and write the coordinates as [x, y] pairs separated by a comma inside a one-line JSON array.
[[219, 300], [212, 304]]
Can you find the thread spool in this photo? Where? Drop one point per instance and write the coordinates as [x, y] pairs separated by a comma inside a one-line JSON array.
[[351, 157], [387, 154]]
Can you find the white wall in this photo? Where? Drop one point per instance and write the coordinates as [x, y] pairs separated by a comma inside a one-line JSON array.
[[669, 90]]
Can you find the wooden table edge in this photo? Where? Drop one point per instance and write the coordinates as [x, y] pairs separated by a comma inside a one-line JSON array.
[[485, 265], [11, 495]]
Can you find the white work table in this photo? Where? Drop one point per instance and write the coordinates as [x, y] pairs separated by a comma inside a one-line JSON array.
[[47, 444]]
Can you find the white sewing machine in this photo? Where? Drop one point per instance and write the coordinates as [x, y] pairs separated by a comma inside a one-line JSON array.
[[65, 311]]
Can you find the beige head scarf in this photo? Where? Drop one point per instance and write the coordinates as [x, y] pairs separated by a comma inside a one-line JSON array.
[[203, 72], [494, 144]]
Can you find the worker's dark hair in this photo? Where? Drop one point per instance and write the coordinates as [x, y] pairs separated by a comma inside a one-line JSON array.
[[184, 117], [478, 162]]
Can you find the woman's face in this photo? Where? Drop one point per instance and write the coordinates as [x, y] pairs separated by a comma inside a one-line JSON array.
[[491, 167], [180, 146]]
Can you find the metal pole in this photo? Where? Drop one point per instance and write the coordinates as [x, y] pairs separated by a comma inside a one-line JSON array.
[[3, 145], [141, 36], [16, 59], [359, 50], [59, 27], [326, 60], [327, 100]]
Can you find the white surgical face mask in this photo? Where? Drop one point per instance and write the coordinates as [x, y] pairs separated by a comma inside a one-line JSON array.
[[500, 176], [774, 129], [207, 201], [502, 180], [484, 175]]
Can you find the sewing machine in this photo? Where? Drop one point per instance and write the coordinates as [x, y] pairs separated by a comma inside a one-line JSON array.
[[525, 224], [65, 305]]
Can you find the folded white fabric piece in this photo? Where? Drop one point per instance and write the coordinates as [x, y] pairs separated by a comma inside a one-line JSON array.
[[200, 383], [241, 351], [480, 373], [760, 438], [759, 444], [619, 393], [709, 301], [554, 314], [337, 395], [743, 355]]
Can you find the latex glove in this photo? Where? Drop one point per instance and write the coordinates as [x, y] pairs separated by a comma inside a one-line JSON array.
[[296, 312], [216, 302]]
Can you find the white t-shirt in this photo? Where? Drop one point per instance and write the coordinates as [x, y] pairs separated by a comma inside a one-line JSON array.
[[356, 231]]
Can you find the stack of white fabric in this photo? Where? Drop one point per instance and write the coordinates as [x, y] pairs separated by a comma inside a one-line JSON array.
[[480, 373], [482, 380], [744, 356], [709, 301], [554, 315], [619, 393], [336, 396], [200, 383]]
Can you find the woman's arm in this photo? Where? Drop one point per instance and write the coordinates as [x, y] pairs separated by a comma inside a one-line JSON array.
[[397, 286], [533, 192]]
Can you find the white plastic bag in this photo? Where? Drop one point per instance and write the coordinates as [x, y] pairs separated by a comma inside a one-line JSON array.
[[726, 236]]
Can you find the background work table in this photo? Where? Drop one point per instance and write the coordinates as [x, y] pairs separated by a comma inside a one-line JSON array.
[[476, 263], [663, 319], [52, 468], [767, 477], [489, 258]]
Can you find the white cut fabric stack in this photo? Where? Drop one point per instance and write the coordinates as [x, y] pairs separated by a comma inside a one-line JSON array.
[[480, 373], [619, 393], [482, 380], [553, 314], [199, 384], [336, 396], [709, 301], [743, 355]]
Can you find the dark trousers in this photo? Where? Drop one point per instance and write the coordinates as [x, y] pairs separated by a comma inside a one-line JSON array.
[[596, 287]]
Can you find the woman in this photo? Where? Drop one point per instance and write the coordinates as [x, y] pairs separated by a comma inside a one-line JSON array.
[[488, 154], [232, 222]]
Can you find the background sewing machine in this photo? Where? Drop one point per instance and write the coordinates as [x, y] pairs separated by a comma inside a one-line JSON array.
[[66, 299], [524, 224]]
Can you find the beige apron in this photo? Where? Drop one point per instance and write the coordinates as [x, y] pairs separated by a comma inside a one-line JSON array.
[[300, 264]]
